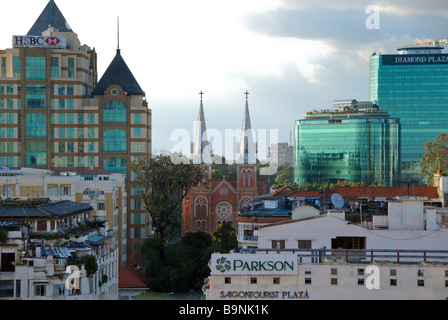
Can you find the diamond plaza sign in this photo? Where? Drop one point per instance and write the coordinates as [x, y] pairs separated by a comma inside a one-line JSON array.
[[243, 264]]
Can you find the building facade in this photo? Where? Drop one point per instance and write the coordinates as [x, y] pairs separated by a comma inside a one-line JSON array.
[[56, 115], [219, 199], [105, 191], [351, 146], [45, 253], [326, 257], [412, 86]]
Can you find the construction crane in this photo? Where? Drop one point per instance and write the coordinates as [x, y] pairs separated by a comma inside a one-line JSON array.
[[434, 43]]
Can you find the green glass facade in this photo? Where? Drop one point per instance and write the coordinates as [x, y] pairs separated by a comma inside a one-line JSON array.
[[414, 89], [356, 149]]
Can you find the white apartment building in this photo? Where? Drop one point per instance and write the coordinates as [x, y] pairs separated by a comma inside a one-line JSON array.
[[45, 258], [104, 191], [327, 257]]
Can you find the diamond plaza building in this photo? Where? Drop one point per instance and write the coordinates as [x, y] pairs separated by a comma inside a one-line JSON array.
[[55, 114], [412, 86]]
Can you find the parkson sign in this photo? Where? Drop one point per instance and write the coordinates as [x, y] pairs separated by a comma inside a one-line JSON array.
[[254, 264]]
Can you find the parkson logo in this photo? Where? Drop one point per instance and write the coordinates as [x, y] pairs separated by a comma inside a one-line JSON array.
[[223, 265]]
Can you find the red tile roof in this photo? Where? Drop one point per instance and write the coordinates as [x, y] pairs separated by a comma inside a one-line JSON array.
[[129, 277], [354, 193]]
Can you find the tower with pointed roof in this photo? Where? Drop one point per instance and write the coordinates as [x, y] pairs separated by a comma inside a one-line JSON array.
[[207, 205], [55, 114]]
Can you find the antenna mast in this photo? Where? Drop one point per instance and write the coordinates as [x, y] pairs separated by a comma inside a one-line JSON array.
[[118, 33]]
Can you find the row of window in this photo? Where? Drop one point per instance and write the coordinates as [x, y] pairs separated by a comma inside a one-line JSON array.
[[35, 67]]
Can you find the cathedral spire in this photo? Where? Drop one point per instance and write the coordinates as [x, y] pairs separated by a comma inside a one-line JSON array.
[[247, 144], [201, 154]]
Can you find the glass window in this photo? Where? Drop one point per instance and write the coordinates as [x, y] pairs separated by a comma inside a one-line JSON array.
[[36, 96], [137, 118], [55, 67], [137, 132], [71, 67], [17, 67], [35, 67], [36, 125], [115, 164], [36, 153], [114, 111], [114, 140]]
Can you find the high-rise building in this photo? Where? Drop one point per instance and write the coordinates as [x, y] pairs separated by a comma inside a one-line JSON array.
[[355, 146], [55, 114], [413, 86]]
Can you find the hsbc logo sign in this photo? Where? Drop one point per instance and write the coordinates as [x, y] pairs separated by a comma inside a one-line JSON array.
[[52, 42]]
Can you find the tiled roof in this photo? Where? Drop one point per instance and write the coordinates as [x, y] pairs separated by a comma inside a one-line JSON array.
[[129, 277], [354, 193], [50, 16], [386, 192], [118, 73], [55, 209]]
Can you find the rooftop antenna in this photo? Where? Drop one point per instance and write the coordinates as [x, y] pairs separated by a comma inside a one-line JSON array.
[[408, 178], [118, 33]]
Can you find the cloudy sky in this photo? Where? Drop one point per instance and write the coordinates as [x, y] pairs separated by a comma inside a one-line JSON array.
[[291, 55]]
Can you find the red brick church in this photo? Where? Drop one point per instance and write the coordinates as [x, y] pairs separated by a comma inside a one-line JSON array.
[[219, 199]]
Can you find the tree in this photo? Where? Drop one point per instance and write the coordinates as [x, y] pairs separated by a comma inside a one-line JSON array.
[[179, 266], [285, 176], [224, 238], [164, 185], [435, 157]]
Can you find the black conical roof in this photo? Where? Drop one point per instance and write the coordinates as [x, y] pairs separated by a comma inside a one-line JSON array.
[[50, 16], [118, 73]]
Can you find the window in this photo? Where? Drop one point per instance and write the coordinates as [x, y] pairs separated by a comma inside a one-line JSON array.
[[7, 288], [393, 282], [307, 280], [36, 96], [276, 280], [334, 271], [114, 111], [253, 280], [227, 280], [334, 281], [278, 244], [101, 206], [115, 164], [39, 290], [55, 67], [304, 244], [71, 67], [36, 125], [115, 140], [393, 272], [58, 290], [420, 282], [35, 68], [420, 273], [17, 67], [36, 153], [361, 281]]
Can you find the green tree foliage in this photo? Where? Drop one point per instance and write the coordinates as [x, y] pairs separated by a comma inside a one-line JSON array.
[[164, 185], [179, 266], [435, 157], [224, 238], [3, 235]]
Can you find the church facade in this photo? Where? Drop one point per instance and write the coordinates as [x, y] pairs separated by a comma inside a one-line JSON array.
[[219, 199]]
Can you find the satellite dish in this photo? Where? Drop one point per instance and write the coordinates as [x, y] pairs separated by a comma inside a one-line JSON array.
[[408, 178], [337, 200]]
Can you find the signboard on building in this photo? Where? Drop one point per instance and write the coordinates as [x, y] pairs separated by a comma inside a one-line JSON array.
[[51, 42], [411, 59], [256, 264]]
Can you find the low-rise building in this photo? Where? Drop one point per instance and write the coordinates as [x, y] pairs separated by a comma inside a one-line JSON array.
[[103, 190], [324, 256], [53, 251]]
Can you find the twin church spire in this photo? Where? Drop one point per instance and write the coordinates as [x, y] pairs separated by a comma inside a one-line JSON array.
[[202, 146]]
